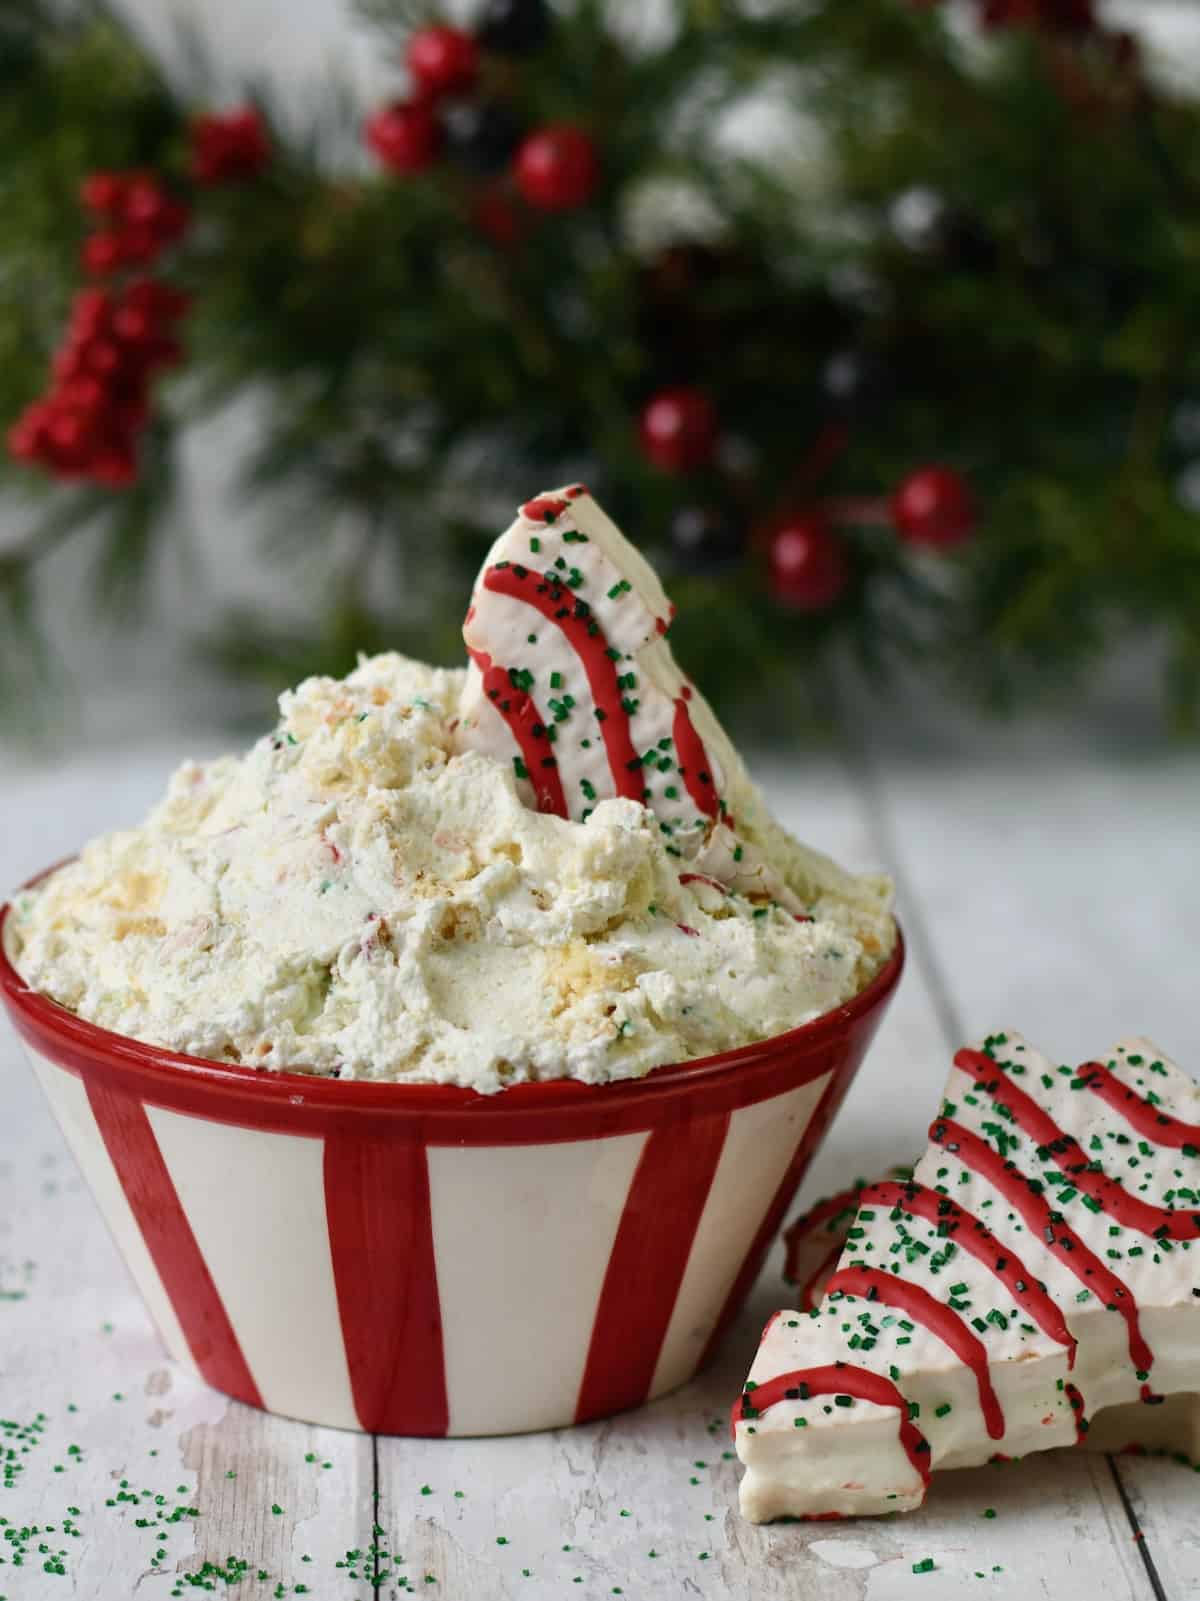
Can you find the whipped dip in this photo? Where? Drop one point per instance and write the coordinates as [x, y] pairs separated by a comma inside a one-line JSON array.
[[359, 897]]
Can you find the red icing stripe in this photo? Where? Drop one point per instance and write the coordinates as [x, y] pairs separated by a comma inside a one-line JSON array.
[[381, 1243], [1130, 1211], [646, 1267], [528, 728], [693, 761], [1150, 1121], [573, 616], [544, 509], [881, 1288], [153, 1200], [973, 1236], [1060, 1240], [841, 1378]]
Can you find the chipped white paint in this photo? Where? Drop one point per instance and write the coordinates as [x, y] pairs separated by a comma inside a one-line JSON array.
[[983, 855], [843, 1554]]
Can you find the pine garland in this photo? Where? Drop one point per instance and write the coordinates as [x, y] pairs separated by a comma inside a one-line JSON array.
[[981, 259]]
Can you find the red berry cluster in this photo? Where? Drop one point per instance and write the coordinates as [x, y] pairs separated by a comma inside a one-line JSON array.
[[136, 220], [808, 559], [87, 426], [553, 168], [229, 147], [931, 509]]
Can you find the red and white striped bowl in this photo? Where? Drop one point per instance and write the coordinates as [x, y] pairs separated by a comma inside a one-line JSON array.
[[419, 1259]]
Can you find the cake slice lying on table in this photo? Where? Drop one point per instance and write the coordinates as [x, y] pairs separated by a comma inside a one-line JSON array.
[[1038, 1272]]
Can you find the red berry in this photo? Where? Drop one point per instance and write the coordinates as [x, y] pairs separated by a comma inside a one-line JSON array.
[[84, 394], [159, 301], [72, 437], [101, 356], [443, 60], [70, 360], [89, 312], [116, 466], [557, 168], [229, 147], [132, 326], [173, 220], [494, 214], [140, 246], [933, 506], [164, 353], [103, 191], [405, 137], [27, 436], [678, 429], [103, 253], [808, 564], [144, 202]]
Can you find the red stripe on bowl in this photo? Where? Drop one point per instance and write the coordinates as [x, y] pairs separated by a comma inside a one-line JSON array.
[[129, 1139], [649, 1257], [381, 1242]]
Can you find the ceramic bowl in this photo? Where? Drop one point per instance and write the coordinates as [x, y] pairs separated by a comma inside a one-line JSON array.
[[425, 1260]]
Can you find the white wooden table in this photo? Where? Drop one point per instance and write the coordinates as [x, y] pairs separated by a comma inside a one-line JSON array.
[[1044, 885]]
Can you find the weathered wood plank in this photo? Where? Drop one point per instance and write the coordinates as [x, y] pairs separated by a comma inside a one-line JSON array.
[[79, 1359]]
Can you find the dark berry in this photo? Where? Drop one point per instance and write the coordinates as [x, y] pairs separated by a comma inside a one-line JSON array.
[[706, 537], [481, 134], [513, 27], [857, 383]]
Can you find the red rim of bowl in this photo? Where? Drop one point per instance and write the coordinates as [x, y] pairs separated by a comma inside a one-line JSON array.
[[45, 1017]]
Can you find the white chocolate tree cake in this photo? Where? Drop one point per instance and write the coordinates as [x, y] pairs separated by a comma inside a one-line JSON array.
[[572, 678], [1036, 1283]]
